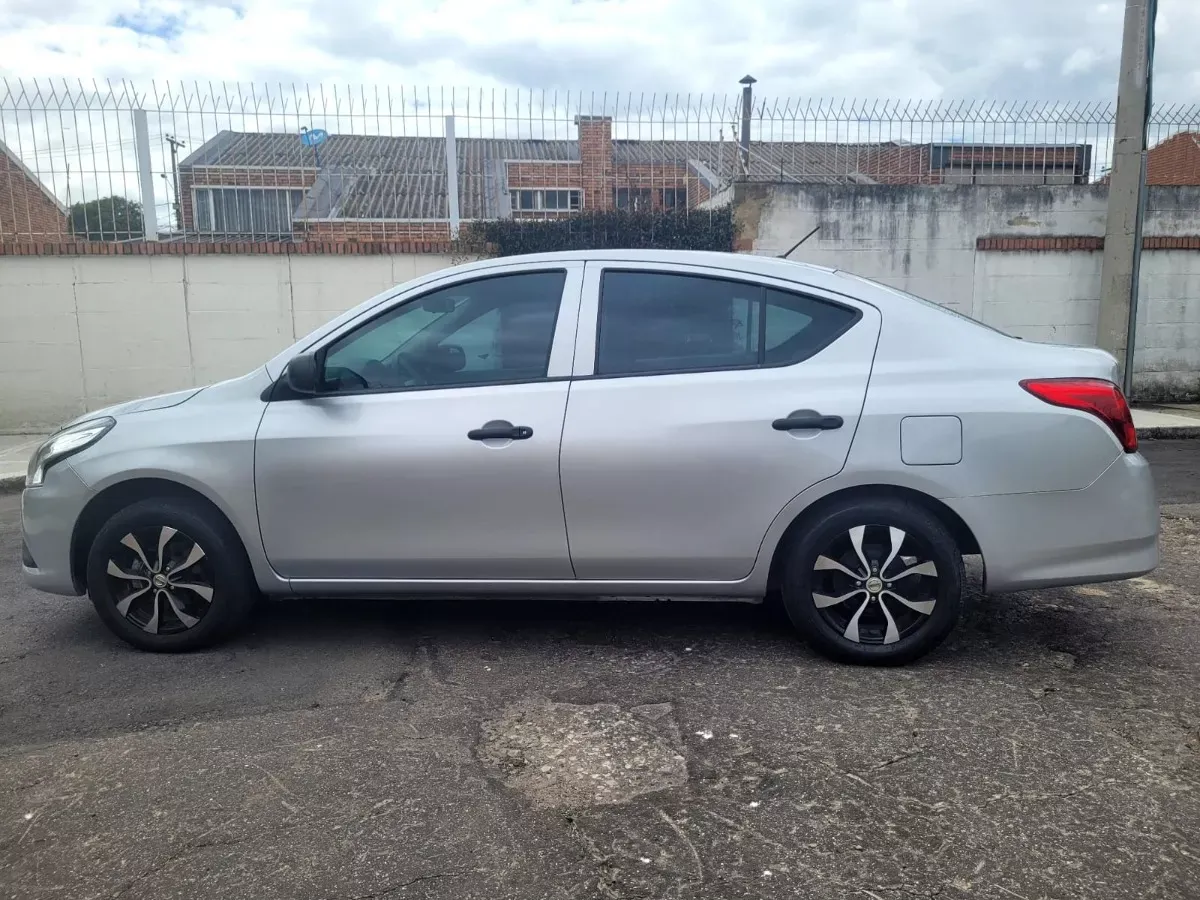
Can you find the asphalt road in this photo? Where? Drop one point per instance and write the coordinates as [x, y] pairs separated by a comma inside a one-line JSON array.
[[1051, 749]]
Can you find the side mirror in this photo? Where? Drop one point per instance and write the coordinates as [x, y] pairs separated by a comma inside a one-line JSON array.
[[304, 374]]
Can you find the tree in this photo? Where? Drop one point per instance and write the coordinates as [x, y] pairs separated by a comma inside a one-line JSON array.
[[107, 219]]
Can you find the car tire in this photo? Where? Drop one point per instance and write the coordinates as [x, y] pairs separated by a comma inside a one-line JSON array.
[[874, 582], [169, 575]]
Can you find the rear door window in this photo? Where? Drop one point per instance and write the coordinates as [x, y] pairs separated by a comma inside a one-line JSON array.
[[660, 322]]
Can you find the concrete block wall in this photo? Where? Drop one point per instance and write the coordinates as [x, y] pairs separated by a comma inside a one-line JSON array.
[[925, 240], [78, 333]]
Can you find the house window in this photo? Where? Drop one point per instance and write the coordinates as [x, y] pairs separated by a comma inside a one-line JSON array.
[[632, 199], [1007, 173], [265, 211], [674, 198], [545, 200]]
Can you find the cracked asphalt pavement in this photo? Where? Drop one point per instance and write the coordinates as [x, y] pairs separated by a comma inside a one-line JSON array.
[[496, 749]]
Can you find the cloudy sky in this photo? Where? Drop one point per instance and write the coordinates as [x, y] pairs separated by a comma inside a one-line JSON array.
[[1062, 51], [1027, 49]]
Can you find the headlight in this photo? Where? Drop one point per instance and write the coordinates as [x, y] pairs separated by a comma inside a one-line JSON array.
[[62, 445]]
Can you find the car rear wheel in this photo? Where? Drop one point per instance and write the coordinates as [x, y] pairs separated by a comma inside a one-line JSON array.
[[874, 581], [169, 575]]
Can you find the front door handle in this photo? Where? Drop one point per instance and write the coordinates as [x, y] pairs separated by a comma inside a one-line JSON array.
[[807, 419], [500, 430]]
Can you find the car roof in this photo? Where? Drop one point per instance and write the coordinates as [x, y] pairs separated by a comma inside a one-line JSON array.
[[740, 262]]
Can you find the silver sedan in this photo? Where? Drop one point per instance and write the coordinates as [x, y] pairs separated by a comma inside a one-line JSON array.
[[635, 423]]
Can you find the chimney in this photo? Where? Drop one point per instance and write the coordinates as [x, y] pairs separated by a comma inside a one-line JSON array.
[[747, 110], [596, 161]]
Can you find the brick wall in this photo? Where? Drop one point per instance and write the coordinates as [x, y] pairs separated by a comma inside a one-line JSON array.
[[596, 161], [896, 165], [239, 248], [1175, 161], [570, 175], [1091, 243], [901, 165], [544, 175], [26, 213], [362, 230], [657, 176]]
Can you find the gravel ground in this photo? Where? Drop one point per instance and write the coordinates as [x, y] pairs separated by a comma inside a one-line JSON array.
[[495, 749]]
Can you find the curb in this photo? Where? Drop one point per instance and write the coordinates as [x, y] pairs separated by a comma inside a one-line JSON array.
[[1168, 432], [12, 484]]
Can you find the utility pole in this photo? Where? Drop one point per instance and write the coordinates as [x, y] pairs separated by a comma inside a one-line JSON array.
[[175, 145], [167, 182], [1116, 326]]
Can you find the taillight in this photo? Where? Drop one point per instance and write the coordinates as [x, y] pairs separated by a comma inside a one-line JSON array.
[[1101, 398]]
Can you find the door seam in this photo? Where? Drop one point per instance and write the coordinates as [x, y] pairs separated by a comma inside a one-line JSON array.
[[562, 495]]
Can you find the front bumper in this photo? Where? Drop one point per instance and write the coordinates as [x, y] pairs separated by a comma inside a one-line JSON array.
[[1105, 532], [48, 517]]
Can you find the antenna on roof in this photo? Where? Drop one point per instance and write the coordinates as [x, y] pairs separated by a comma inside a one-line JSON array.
[[313, 137], [798, 243]]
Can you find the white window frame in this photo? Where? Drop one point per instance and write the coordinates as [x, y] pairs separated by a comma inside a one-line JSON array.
[[662, 195], [539, 200], [643, 194], [210, 205]]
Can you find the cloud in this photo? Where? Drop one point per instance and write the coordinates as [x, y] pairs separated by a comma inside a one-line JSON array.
[[640, 53], [165, 27], [1036, 49]]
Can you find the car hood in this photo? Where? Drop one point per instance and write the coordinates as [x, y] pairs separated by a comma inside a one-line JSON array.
[[145, 404]]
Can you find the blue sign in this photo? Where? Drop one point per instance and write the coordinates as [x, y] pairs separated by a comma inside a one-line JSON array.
[[313, 137]]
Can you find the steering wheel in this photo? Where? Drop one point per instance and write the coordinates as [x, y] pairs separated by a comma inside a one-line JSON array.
[[347, 374], [406, 370]]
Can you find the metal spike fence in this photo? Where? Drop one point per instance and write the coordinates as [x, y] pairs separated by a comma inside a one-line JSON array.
[[118, 162]]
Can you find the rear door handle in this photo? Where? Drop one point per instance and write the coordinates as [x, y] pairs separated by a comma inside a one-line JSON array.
[[500, 430], [803, 419]]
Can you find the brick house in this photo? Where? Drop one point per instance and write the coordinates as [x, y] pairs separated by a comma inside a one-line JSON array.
[[1175, 160], [28, 211], [372, 187]]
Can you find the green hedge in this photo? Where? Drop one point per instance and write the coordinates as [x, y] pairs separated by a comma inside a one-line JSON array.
[[611, 230]]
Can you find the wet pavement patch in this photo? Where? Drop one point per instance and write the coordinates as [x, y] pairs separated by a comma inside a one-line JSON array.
[[565, 755]]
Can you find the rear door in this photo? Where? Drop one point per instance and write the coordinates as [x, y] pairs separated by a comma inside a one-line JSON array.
[[703, 401]]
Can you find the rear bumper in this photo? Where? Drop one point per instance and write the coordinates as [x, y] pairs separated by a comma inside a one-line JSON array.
[[1105, 532]]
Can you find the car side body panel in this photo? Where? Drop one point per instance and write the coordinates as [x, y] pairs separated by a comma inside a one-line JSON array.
[[1047, 492], [206, 445]]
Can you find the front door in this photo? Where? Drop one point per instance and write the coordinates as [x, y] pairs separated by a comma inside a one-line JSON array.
[[431, 451], [711, 402]]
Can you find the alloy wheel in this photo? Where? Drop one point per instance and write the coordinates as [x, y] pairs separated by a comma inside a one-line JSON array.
[[160, 580], [875, 584]]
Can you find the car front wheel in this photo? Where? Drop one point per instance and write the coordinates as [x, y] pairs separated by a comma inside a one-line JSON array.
[[874, 581], [169, 575]]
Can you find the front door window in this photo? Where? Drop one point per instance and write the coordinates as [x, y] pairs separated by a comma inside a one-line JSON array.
[[490, 331]]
